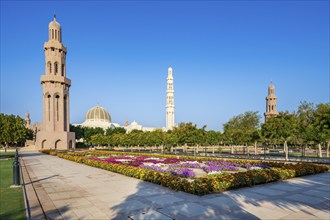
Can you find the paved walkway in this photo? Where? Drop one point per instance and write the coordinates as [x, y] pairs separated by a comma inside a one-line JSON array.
[[69, 190]]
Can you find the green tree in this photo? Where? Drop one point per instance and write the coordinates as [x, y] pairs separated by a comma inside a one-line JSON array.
[[78, 130], [187, 133], [13, 130], [89, 132], [241, 129], [322, 125], [283, 127], [116, 130], [99, 139]]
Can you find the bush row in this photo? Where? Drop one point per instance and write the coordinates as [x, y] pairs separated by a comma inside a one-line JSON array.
[[204, 185]]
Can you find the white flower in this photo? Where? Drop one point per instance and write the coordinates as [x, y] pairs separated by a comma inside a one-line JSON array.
[[214, 172], [255, 168]]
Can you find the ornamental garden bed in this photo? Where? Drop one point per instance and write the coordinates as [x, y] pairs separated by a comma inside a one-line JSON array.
[[195, 175]]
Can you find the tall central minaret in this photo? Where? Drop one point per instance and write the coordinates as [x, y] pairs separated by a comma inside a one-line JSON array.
[[55, 129], [170, 101]]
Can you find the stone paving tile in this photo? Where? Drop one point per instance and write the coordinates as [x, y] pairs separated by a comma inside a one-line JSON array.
[[129, 205], [264, 190], [305, 199], [150, 214], [82, 214], [188, 210], [222, 201], [317, 193], [324, 188], [284, 187], [263, 213], [163, 199]]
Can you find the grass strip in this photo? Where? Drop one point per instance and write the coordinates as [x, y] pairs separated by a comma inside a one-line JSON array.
[[11, 199]]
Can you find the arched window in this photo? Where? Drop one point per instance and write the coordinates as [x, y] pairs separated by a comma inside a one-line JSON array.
[[56, 68], [62, 72], [49, 67], [65, 113], [52, 33], [57, 107], [272, 107], [55, 34], [48, 103], [269, 108]]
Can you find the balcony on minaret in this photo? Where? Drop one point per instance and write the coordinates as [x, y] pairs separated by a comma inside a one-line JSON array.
[[57, 78]]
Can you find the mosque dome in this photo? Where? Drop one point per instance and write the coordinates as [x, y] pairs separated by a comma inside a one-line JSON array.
[[134, 123], [54, 24], [98, 113]]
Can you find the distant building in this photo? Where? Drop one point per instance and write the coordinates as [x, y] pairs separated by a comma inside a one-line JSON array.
[[99, 117], [135, 126], [271, 100], [55, 128]]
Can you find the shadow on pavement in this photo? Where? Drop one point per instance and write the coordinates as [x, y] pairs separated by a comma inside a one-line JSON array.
[[309, 197]]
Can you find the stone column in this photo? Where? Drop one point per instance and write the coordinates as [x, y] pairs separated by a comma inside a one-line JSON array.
[[320, 150], [286, 151]]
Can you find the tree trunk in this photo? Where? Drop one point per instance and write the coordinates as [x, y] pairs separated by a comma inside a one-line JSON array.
[[328, 146], [286, 151], [255, 148], [232, 149], [213, 150], [320, 150]]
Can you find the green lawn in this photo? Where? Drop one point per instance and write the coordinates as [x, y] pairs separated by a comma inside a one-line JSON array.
[[11, 199]]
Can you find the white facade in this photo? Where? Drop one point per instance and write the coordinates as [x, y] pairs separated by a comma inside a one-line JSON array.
[[170, 101]]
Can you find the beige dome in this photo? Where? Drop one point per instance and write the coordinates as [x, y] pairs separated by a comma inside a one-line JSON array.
[[98, 113], [54, 24]]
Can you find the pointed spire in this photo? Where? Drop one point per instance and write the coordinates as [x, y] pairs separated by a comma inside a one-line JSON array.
[[54, 15]]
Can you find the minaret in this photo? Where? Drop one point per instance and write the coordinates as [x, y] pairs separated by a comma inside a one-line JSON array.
[[54, 132], [271, 102], [170, 101], [27, 120]]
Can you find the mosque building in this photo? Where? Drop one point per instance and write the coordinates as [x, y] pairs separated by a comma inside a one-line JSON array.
[[100, 117]]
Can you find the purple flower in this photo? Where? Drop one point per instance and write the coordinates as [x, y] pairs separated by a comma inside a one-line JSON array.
[[185, 172]]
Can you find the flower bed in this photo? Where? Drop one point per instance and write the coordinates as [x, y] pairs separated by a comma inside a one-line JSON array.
[[196, 175], [180, 167]]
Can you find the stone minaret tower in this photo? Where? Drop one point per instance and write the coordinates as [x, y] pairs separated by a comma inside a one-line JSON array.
[[54, 132], [27, 120], [271, 102], [170, 101]]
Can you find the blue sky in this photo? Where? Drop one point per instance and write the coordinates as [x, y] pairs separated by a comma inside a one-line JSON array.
[[223, 54]]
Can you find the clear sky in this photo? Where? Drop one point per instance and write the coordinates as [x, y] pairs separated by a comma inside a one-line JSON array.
[[223, 54]]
